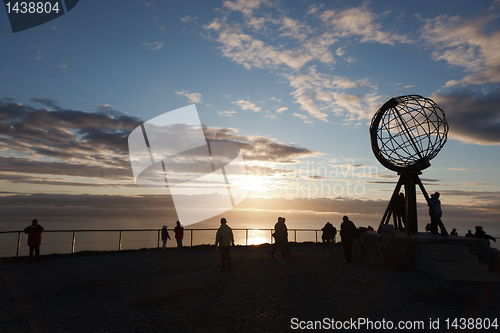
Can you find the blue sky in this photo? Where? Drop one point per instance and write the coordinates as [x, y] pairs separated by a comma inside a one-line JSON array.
[[294, 82]]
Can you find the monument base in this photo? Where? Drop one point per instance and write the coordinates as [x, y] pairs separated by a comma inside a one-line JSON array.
[[402, 251]]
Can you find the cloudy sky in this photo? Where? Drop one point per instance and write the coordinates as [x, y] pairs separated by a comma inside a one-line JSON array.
[[293, 83]]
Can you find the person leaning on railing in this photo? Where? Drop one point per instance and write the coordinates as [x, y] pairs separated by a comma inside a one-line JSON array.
[[164, 237], [179, 234]]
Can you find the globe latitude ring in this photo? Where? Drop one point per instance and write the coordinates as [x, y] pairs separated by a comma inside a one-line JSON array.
[[407, 132]]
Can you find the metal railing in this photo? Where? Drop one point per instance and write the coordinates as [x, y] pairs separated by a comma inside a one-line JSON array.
[[71, 241]]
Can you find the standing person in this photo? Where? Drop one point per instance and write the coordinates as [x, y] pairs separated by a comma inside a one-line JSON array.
[[469, 234], [164, 236], [399, 212], [348, 232], [179, 235], [280, 235], [436, 205], [224, 238], [329, 232], [481, 234], [34, 232]]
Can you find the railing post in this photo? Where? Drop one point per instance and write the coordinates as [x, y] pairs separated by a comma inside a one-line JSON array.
[[73, 243], [159, 235], [18, 244], [295, 232], [316, 236], [120, 242], [192, 237], [271, 236], [246, 237]]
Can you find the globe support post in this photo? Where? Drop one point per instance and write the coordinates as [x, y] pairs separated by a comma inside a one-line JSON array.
[[411, 203], [390, 207], [410, 180]]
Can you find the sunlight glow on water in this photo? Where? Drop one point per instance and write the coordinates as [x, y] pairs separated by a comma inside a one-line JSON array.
[[257, 240], [256, 237]]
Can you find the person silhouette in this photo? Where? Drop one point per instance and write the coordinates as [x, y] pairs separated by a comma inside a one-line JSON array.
[[179, 235], [280, 236], [469, 234], [436, 205], [164, 236], [348, 232], [224, 238], [329, 231], [34, 232], [481, 234], [399, 212]]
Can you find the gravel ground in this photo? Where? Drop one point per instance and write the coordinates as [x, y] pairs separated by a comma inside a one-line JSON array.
[[151, 291]]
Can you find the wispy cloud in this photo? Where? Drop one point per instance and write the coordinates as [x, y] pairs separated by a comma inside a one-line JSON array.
[[47, 102], [400, 87], [259, 148], [300, 116], [245, 6], [248, 51], [303, 117], [246, 105], [153, 46], [320, 94], [294, 28], [226, 113], [282, 109], [40, 55], [300, 53], [466, 43], [362, 22], [188, 18], [194, 97], [270, 116]]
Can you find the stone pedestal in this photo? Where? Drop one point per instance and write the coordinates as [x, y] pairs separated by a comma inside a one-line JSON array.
[[400, 250]]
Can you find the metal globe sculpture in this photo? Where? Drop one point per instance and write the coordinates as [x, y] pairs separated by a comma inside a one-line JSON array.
[[406, 133]]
